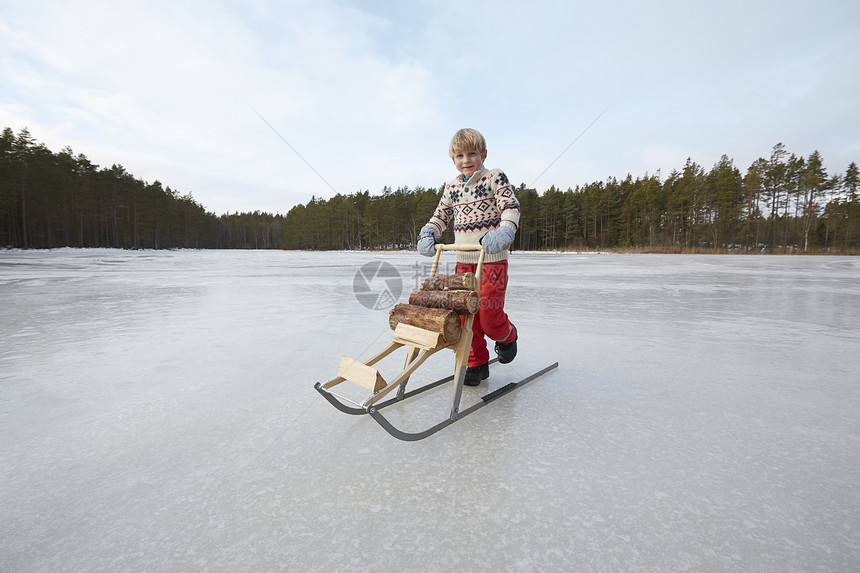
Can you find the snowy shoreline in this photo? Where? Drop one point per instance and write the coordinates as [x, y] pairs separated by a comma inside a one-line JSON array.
[[10, 250]]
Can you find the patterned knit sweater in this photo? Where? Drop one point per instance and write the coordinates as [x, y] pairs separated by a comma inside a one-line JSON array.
[[483, 203]]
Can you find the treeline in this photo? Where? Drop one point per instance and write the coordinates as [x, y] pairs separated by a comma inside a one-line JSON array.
[[782, 203], [61, 199], [391, 220]]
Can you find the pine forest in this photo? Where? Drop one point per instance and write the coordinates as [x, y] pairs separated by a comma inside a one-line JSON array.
[[782, 203]]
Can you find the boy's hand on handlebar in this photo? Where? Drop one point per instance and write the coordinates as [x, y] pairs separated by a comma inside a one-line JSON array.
[[497, 240], [427, 240]]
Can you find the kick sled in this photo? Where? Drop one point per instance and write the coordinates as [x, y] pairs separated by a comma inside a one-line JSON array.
[[428, 324]]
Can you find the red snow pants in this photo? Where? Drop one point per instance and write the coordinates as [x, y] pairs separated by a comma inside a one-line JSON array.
[[491, 319]]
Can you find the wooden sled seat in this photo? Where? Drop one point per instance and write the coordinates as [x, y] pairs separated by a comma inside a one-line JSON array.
[[409, 335], [361, 374]]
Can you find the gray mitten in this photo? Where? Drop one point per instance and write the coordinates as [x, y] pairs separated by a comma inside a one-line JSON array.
[[497, 240], [427, 240]]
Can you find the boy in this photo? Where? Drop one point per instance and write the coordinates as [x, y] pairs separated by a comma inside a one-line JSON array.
[[484, 210]]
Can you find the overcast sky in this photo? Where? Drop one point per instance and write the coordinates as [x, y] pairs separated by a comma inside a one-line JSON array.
[[369, 93]]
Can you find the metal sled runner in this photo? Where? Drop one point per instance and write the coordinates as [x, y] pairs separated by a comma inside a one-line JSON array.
[[420, 344]]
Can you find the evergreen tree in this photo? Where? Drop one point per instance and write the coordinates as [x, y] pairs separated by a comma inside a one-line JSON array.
[[725, 193]]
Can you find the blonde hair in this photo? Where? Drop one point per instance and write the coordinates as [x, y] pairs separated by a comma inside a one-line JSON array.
[[467, 140]]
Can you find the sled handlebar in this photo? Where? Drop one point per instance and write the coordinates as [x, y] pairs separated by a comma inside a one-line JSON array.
[[464, 247]]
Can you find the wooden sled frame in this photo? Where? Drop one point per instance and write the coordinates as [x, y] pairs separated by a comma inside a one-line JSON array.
[[420, 344]]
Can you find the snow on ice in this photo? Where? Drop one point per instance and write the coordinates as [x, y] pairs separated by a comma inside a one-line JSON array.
[[157, 413]]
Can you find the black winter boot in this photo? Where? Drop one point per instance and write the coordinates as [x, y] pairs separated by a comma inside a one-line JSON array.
[[507, 351], [474, 374]]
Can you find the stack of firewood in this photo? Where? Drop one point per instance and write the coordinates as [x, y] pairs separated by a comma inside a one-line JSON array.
[[438, 305]]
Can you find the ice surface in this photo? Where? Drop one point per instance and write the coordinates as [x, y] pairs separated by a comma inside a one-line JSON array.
[[157, 413]]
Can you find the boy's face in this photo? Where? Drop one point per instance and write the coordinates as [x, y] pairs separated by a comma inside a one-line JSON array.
[[468, 162]]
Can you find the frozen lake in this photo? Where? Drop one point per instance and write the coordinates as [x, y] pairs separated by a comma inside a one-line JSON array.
[[157, 413]]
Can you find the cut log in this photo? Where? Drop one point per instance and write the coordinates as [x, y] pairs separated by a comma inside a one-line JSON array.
[[445, 322], [460, 301], [460, 281]]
